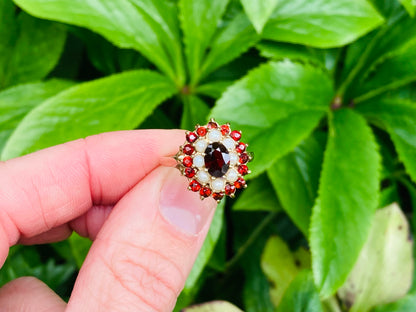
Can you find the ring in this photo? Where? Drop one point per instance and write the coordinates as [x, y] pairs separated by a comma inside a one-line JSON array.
[[214, 160]]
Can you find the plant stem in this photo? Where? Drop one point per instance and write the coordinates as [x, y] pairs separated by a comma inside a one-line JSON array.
[[331, 305], [252, 238], [359, 66]]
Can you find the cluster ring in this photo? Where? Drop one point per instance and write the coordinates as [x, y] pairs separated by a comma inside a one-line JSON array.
[[214, 160]]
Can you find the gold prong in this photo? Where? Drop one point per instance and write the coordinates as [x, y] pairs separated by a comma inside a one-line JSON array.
[[212, 120], [232, 195], [176, 157], [248, 171], [197, 126], [202, 197], [245, 185], [189, 188]]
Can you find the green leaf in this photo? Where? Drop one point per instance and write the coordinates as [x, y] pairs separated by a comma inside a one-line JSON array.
[[295, 178], [26, 262], [106, 57], [281, 266], [195, 111], [125, 24], [80, 247], [389, 9], [259, 11], [395, 70], [162, 16], [389, 195], [259, 196], [199, 20], [410, 6], [301, 295], [399, 119], [364, 55], [252, 231], [213, 89], [206, 249], [214, 306], [234, 39], [348, 197], [117, 102], [383, 271], [280, 50], [317, 23], [8, 34], [30, 50], [16, 102], [405, 304], [276, 105]]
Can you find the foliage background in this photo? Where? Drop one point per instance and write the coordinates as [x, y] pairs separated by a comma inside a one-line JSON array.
[[323, 91]]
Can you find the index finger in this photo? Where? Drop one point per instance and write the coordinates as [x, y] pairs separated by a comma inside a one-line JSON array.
[[48, 188]]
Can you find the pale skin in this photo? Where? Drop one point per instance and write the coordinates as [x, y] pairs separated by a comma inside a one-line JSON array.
[[146, 227]]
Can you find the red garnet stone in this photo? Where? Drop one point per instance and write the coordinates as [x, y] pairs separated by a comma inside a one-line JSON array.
[[189, 172], [229, 189], [205, 192], [188, 149], [187, 161], [240, 183], [217, 159], [243, 169], [217, 196], [201, 131], [236, 135], [195, 186], [191, 137]]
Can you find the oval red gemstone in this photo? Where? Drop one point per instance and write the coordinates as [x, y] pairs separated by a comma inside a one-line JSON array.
[[189, 172], [188, 149], [212, 125], [243, 158], [240, 183], [217, 196], [236, 135], [229, 189], [187, 161], [191, 137], [225, 129], [243, 169], [194, 186], [217, 159], [241, 147], [201, 131], [205, 191]]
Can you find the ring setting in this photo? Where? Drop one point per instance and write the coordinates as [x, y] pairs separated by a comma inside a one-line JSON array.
[[214, 160]]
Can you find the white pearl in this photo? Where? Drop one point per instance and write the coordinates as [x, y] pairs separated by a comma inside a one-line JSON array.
[[232, 175], [199, 161], [233, 158], [214, 135], [202, 176], [218, 184], [201, 145], [229, 143]]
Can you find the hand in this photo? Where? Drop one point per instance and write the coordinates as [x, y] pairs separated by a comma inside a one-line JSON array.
[[146, 226]]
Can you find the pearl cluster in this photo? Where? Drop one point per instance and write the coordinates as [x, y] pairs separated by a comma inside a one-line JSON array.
[[228, 155]]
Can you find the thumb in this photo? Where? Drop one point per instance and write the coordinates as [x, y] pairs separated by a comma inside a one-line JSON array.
[[146, 249]]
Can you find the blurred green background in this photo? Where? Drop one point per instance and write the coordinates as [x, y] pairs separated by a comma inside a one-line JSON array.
[[323, 91]]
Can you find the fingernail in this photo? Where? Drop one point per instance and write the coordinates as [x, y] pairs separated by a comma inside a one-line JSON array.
[[181, 207]]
